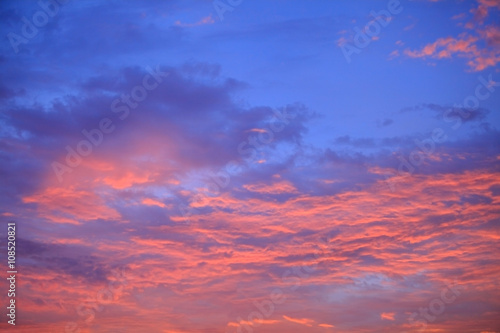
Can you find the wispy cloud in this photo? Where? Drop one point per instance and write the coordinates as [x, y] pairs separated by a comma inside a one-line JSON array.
[[204, 21]]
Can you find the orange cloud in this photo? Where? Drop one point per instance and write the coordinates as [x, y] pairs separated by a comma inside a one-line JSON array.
[[276, 188], [253, 322], [203, 21], [467, 45], [387, 315], [303, 321], [70, 205], [482, 11], [152, 202], [126, 180]]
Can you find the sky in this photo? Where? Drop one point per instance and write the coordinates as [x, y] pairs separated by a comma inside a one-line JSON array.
[[251, 166]]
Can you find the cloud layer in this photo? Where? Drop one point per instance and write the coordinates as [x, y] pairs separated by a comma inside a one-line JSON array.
[[157, 190]]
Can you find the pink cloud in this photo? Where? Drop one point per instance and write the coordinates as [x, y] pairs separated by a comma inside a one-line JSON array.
[[302, 321], [467, 45], [203, 21], [387, 315]]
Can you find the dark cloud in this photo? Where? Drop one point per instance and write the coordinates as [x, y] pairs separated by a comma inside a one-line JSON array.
[[476, 199], [448, 113], [387, 122], [495, 190], [75, 261]]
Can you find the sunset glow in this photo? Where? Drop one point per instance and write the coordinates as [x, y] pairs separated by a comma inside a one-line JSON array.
[[251, 166]]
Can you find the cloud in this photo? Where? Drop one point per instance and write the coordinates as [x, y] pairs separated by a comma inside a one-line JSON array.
[[304, 205], [70, 205], [479, 46], [387, 315], [387, 122], [203, 21], [302, 321], [449, 112], [465, 46], [482, 11]]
